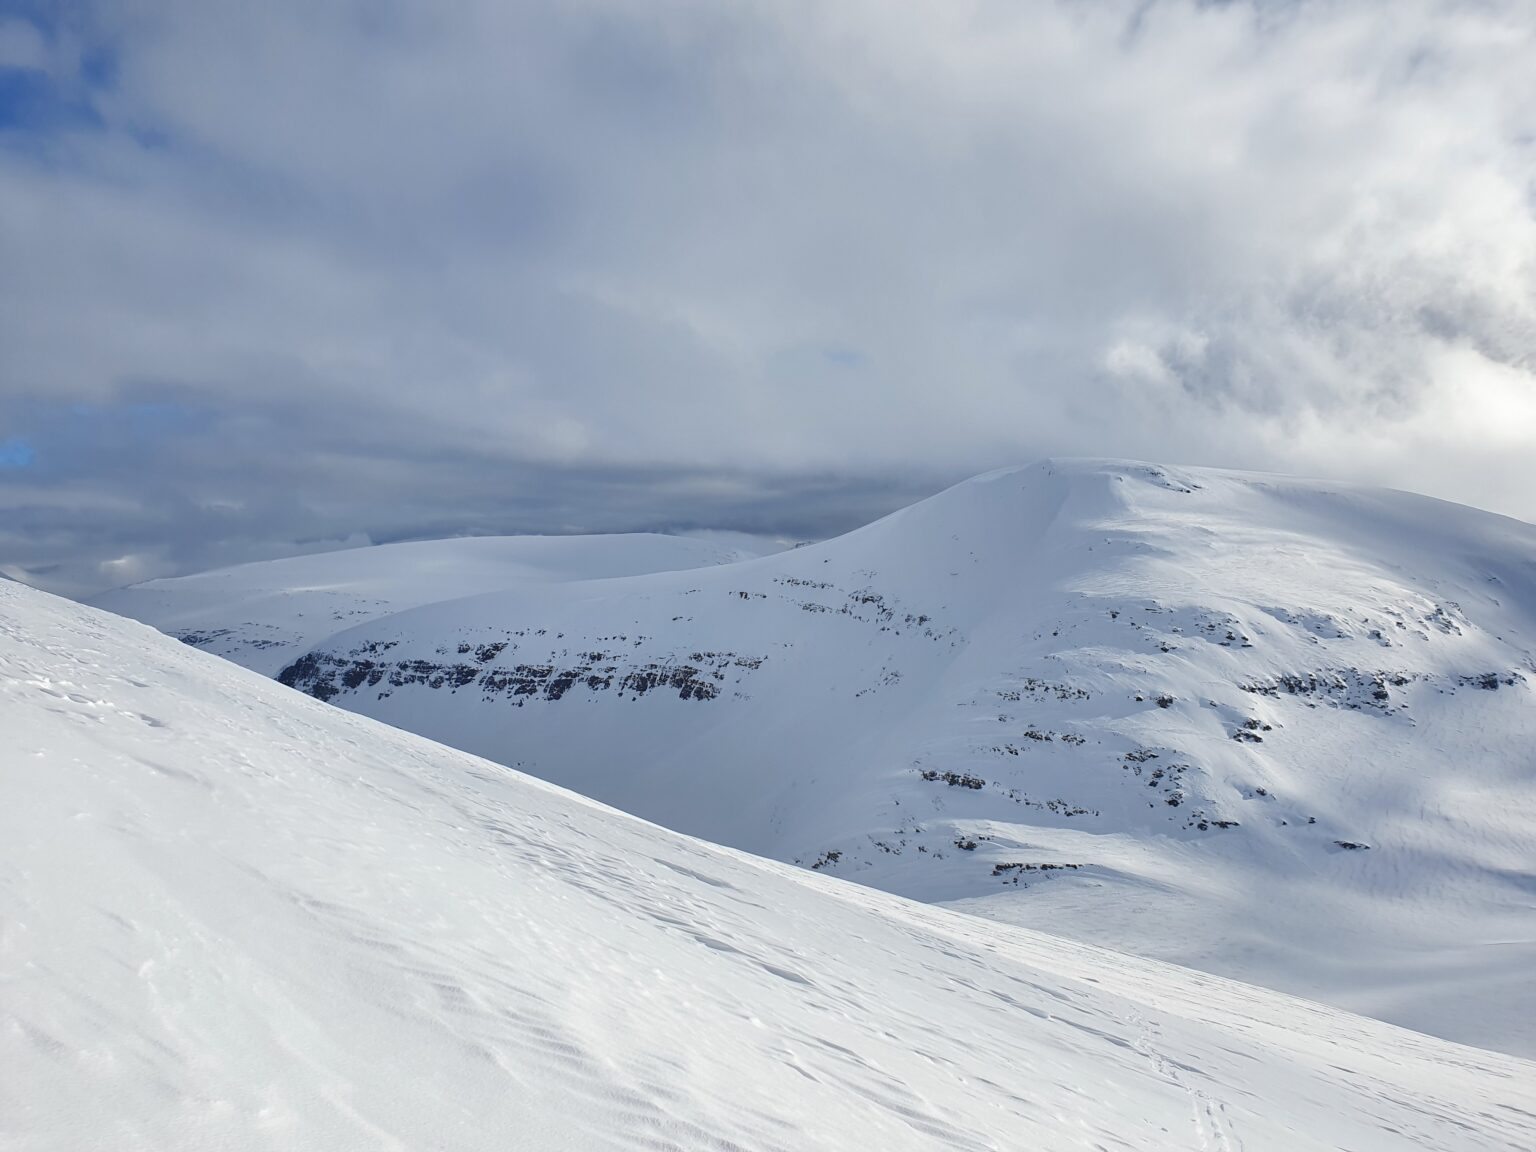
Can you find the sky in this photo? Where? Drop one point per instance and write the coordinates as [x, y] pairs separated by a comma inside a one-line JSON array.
[[305, 274]]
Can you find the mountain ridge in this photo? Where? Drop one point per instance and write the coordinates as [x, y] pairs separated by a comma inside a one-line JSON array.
[[1115, 699]]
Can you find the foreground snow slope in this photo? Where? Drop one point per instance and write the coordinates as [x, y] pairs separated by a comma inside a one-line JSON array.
[[231, 917], [1276, 729], [263, 615]]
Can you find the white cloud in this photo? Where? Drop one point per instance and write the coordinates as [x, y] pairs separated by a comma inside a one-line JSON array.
[[21, 46], [789, 245]]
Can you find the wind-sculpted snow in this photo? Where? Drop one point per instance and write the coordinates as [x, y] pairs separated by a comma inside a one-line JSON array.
[[234, 918], [1197, 686]]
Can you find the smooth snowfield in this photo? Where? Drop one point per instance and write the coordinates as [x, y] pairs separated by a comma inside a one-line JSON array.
[[1276, 729], [232, 917]]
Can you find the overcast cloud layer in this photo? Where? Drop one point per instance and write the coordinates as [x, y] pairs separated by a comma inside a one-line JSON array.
[[277, 275]]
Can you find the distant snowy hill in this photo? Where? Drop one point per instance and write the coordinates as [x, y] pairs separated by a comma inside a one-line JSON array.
[[233, 918], [263, 615], [1275, 729]]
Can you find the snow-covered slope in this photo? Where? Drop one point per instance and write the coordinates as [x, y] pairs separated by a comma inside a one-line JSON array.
[[1275, 729], [263, 615], [231, 917]]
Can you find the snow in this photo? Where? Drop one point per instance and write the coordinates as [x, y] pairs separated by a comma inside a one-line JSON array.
[[263, 615], [234, 917], [1275, 729]]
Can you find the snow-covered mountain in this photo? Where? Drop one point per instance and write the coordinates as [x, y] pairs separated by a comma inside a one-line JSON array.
[[1275, 729], [264, 615], [231, 917]]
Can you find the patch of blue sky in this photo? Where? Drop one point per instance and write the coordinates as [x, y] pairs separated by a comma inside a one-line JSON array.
[[38, 96], [16, 453]]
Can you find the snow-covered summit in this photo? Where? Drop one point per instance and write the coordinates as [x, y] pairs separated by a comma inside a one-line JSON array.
[[231, 917], [1279, 729]]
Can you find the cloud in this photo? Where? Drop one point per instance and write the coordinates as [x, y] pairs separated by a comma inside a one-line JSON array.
[[21, 47], [404, 268]]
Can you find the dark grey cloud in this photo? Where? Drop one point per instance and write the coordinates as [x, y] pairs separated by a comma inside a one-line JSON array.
[[278, 276]]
